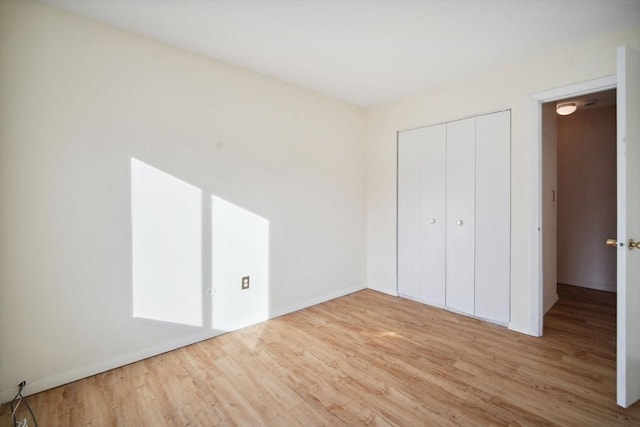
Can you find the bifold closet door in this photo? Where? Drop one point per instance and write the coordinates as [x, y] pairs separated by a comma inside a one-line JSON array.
[[409, 168], [460, 248], [493, 211], [454, 215], [421, 214], [432, 212]]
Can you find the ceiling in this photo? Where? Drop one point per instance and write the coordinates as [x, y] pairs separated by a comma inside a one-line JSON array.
[[592, 100], [365, 52]]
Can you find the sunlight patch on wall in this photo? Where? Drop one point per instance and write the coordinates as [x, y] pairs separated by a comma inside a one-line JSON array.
[[166, 216], [240, 248]]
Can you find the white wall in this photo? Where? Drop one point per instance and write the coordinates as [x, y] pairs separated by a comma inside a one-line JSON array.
[[587, 198], [80, 100], [508, 87]]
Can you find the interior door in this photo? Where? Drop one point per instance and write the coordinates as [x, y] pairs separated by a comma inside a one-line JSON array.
[[628, 147]]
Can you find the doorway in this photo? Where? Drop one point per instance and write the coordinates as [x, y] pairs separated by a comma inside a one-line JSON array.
[[538, 243], [627, 83], [578, 193]]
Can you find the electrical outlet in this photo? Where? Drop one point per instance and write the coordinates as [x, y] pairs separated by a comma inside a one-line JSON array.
[[245, 282]]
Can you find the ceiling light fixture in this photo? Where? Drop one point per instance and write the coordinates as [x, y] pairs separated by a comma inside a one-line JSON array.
[[566, 108]]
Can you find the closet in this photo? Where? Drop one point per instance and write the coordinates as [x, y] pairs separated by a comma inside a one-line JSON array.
[[454, 215]]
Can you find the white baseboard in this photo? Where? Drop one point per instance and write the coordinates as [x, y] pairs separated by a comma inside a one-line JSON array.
[[393, 293], [599, 286], [317, 300], [551, 303], [532, 329], [523, 329], [40, 384], [56, 380]]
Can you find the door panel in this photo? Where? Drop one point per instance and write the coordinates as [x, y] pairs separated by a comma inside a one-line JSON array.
[[409, 213], [460, 215], [628, 147], [492, 236], [432, 257]]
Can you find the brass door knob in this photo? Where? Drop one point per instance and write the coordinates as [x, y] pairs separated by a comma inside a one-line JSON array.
[[612, 243], [633, 244]]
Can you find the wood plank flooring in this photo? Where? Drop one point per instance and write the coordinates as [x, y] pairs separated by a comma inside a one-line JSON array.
[[366, 359]]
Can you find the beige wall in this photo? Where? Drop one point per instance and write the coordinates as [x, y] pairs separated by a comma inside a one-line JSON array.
[[587, 198], [78, 101], [508, 87]]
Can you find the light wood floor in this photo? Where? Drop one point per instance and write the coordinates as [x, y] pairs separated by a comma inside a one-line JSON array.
[[367, 358]]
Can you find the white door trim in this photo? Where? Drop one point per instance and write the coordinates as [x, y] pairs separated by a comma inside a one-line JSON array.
[[536, 101]]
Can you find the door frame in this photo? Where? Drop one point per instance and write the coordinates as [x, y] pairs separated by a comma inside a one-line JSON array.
[[536, 101]]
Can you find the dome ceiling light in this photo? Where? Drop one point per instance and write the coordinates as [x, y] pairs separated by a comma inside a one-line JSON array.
[[566, 108]]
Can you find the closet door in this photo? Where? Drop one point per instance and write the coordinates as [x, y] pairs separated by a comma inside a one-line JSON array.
[[493, 210], [460, 207], [409, 213], [432, 216]]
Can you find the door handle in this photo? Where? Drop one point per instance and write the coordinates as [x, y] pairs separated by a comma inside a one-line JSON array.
[[613, 243]]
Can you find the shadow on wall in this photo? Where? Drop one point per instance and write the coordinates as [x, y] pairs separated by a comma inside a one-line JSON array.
[[192, 254]]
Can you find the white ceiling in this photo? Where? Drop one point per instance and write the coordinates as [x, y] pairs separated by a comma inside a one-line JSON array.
[[365, 52]]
